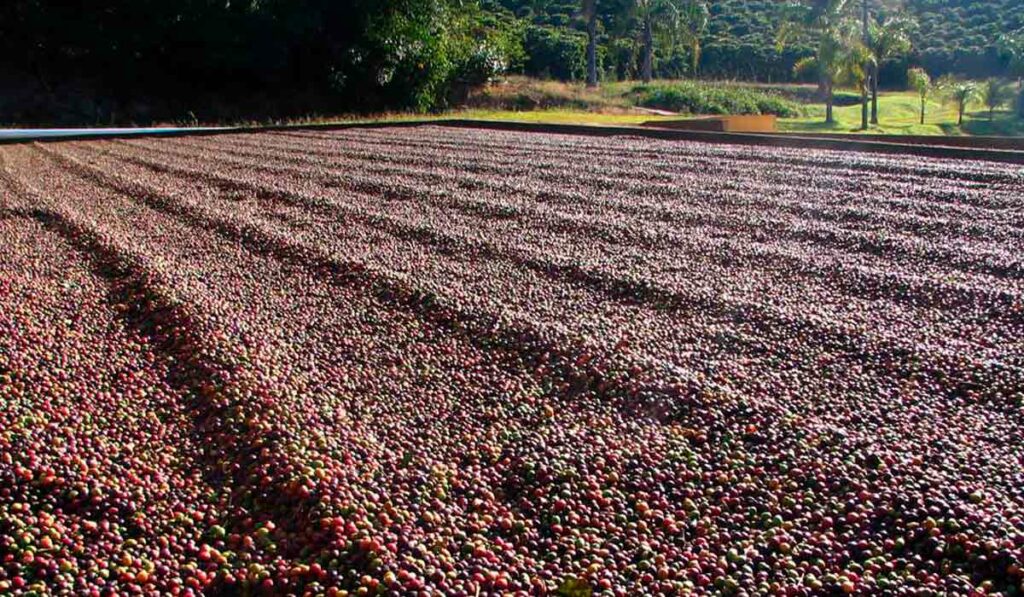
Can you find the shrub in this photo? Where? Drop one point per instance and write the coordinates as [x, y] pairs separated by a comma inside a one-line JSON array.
[[482, 66], [622, 58], [554, 53], [707, 98]]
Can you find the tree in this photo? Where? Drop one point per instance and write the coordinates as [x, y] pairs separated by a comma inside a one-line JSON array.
[[590, 13], [856, 65], [886, 40], [554, 52], [651, 15], [922, 84], [961, 93], [695, 18], [824, 21], [646, 11], [664, 25], [870, 66], [995, 94], [826, 67], [675, 23]]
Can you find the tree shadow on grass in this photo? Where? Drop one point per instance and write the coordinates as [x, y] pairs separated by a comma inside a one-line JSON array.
[[818, 126], [1003, 123]]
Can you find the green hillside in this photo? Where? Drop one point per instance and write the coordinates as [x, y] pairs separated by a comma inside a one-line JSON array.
[[960, 35], [951, 36]]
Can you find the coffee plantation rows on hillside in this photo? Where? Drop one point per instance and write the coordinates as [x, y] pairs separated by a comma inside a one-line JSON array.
[[388, 361], [951, 36]]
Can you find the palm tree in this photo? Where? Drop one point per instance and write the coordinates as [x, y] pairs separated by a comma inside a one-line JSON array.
[[678, 18], [856, 65], [870, 69], [961, 93], [670, 16], [590, 13], [646, 12], [824, 20], [826, 66], [695, 17], [921, 83], [674, 22], [886, 40]]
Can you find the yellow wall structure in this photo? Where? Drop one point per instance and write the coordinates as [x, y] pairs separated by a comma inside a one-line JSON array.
[[756, 123]]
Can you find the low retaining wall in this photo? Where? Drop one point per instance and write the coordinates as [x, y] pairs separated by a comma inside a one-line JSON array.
[[754, 139], [1012, 156], [741, 123], [973, 142]]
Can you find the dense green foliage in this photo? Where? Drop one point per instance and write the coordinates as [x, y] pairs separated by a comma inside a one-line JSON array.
[[959, 36], [147, 60], [703, 98], [742, 43], [553, 53], [140, 60]]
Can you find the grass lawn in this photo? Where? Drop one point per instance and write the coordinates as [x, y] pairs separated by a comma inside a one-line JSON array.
[[546, 116], [561, 116], [1004, 123], [528, 100], [898, 114], [611, 104]]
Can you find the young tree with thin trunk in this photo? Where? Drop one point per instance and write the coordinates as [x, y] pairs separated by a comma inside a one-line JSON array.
[[995, 94], [961, 93], [922, 84]]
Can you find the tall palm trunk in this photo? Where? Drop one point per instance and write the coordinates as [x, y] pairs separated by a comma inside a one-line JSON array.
[[647, 72], [867, 71], [874, 94], [864, 106], [695, 57], [590, 9], [829, 100]]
